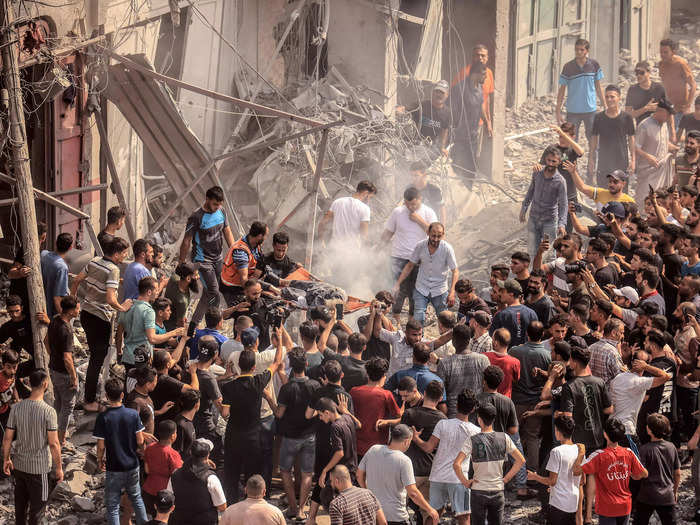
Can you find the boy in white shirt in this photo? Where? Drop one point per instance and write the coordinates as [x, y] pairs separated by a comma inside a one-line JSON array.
[[564, 495]]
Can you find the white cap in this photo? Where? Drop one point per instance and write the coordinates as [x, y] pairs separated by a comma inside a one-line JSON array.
[[628, 293]]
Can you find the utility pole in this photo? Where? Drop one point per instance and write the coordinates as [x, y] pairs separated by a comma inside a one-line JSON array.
[[25, 189]]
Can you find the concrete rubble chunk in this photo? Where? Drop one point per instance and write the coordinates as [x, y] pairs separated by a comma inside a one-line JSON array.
[[83, 504]]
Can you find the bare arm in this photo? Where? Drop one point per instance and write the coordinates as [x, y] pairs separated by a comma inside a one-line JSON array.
[[592, 148], [404, 274], [111, 297], [570, 141], [419, 500], [156, 339], [76, 283], [6, 445], [185, 247], [176, 354], [599, 91], [518, 462], [548, 481], [55, 448], [381, 519], [584, 188], [457, 467], [620, 235], [560, 100], [426, 446], [324, 223], [70, 368], [364, 230], [228, 235], [361, 478], [632, 150]]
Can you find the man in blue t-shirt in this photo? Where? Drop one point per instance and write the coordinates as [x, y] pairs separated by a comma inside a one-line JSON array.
[[119, 434], [204, 235], [143, 255], [515, 317], [582, 78], [54, 273]]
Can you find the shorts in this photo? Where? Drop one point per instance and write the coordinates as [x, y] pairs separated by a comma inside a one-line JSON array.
[[454, 493], [303, 448]]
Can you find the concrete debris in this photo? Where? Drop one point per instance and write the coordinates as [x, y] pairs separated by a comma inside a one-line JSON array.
[[82, 504]]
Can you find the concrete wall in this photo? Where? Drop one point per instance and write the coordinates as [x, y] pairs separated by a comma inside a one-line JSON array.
[[692, 6], [361, 44], [660, 23]]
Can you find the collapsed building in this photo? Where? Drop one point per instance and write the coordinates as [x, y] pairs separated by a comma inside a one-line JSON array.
[[148, 105]]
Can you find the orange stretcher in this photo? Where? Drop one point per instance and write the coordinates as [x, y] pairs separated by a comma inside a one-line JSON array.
[[351, 305]]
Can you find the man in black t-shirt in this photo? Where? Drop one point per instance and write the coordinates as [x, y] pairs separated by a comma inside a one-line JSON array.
[[673, 264], [297, 432], [604, 272], [277, 265], [690, 121], [18, 272], [612, 140], [661, 398], [642, 97], [59, 339], [354, 373], [206, 417], [434, 118], [168, 388], [116, 217], [242, 398], [186, 435]]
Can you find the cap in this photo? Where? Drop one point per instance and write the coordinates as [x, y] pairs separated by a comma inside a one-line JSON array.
[[204, 441], [628, 293], [664, 103], [249, 336], [616, 208], [619, 175], [141, 355], [481, 317], [401, 432], [512, 286], [441, 85], [165, 500]]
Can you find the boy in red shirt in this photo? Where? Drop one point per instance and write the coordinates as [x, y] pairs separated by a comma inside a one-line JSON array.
[[500, 341], [613, 467], [160, 461]]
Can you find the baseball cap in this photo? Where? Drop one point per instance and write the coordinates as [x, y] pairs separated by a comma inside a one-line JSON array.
[[614, 207], [165, 500], [512, 286], [141, 355], [481, 317], [664, 103], [628, 293], [441, 85], [619, 175], [249, 336]]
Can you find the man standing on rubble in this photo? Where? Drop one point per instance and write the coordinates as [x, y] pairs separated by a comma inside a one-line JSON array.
[[434, 117], [547, 194], [406, 227], [581, 77], [677, 78], [206, 228], [349, 217]]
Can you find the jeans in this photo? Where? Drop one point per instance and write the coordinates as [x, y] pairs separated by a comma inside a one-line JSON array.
[[521, 476], [210, 275], [98, 333], [536, 231], [64, 398], [487, 505], [556, 516], [643, 513], [577, 118], [421, 302], [677, 116], [129, 481], [242, 455], [406, 288]]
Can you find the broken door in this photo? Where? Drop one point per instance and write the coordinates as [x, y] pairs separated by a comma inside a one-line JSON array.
[[545, 32]]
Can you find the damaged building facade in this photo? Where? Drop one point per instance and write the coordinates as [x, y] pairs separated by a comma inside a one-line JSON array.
[[346, 64]]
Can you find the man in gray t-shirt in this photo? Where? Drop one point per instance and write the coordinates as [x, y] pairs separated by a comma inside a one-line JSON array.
[[388, 472]]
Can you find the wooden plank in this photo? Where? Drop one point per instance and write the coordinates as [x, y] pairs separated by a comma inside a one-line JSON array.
[[311, 231]]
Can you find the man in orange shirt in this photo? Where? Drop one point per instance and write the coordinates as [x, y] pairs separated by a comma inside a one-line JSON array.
[[677, 79], [480, 55]]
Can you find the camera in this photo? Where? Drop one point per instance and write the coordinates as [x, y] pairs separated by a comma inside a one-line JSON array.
[[575, 267], [276, 314], [381, 306], [577, 206]]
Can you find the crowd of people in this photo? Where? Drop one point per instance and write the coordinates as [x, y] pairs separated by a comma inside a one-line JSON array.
[[573, 377]]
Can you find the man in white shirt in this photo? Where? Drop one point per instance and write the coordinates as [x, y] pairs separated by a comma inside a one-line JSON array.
[[349, 217], [407, 225], [434, 257], [449, 435]]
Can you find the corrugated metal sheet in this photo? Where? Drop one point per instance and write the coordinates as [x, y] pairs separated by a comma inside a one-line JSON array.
[[150, 109]]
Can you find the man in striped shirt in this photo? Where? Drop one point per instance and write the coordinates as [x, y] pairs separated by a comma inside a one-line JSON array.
[[98, 298], [353, 505], [36, 449]]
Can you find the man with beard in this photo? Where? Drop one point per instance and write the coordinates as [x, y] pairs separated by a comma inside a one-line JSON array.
[[137, 270], [252, 305], [434, 257], [241, 262], [570, 249], [687, 163], [480, 57], [154, 266], [277, 265], [434, 118], [537, 300], [547, 194], [182, 285], [617, 180]]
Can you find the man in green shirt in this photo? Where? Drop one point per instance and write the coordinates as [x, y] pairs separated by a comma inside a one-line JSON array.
[[139, 323]]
